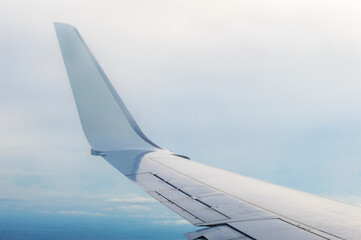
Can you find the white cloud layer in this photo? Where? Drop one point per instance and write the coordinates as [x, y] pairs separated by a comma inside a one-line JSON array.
[[82, 213], [171, 222], [131, 200], [266, 89], [134, 208]]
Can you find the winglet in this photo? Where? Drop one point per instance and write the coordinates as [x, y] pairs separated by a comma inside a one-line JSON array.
[[106, 122]]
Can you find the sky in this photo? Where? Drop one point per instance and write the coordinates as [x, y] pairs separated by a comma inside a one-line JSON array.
[[267, 89]]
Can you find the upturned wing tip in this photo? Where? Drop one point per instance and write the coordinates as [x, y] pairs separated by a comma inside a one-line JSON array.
[[61, 24]]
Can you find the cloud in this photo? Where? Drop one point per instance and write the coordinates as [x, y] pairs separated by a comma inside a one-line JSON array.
[[162, 216], [44, 212], [131, 200], [272, 96], [171, 222], [84, 213], [134, 208], [13, 200]]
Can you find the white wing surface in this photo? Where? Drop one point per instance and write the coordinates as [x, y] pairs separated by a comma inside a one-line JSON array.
[[226, 205]]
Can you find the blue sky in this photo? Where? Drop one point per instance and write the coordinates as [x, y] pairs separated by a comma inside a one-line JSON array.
[[266, 89]]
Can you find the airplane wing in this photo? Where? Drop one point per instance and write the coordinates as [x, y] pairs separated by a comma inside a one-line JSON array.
[[225, 204]]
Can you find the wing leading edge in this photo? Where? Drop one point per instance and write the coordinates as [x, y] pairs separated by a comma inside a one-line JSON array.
[[230, 206]]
